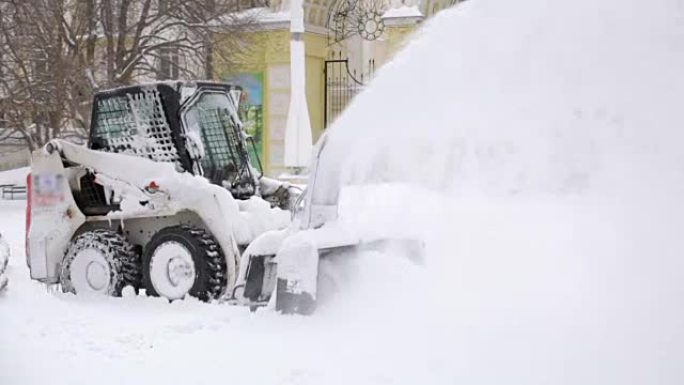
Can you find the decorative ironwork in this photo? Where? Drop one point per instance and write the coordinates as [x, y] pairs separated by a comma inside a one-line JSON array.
[[347, 18], [341, 85], [371, 25]]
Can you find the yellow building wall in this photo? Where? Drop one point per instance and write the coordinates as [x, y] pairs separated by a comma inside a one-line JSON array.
[[266, 48], [398, 37], [269, 54], [316, 53]]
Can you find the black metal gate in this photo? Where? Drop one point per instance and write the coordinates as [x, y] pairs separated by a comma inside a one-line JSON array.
[[341, 85]]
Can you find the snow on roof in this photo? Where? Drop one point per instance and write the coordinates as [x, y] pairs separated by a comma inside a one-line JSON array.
[[403, 11], [261, 15]]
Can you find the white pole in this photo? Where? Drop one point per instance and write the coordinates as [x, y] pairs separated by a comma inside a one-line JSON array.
[[298, 137]]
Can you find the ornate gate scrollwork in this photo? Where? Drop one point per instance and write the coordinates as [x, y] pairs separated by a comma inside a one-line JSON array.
[[347, 18]]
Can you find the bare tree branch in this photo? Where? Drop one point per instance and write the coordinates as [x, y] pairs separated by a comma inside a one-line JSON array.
[[54, 54]]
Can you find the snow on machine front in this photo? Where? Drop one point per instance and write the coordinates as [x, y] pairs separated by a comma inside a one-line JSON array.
[[300, 267]]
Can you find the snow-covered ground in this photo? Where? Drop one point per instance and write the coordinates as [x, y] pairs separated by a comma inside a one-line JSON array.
[[49, 337], [16, 176], [535, 146]]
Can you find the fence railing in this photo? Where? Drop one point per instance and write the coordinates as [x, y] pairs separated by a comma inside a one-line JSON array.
[[341, 85], [12, 192]]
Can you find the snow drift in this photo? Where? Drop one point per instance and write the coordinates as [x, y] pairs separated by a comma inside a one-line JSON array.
[[14, 177], [545, 140]]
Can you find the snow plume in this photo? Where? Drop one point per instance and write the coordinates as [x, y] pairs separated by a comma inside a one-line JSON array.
[[524, 97], [539, 148]]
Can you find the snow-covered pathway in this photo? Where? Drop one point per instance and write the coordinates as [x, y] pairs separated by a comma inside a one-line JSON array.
[[57, 338]]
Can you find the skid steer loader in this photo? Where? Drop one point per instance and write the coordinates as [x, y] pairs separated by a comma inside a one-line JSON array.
[[163, 197]]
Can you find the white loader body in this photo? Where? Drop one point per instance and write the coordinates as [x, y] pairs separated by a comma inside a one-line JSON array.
[[145, 190], [163, 197]]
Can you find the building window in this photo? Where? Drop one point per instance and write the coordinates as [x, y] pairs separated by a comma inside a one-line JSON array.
[[168, 63]]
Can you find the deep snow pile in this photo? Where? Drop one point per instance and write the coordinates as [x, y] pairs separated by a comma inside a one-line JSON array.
[[16, 176], [544, 137]]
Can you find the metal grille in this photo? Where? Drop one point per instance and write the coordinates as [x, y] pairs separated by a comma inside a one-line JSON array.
[[225, 159], [217, 140], [347, 18], [135, 124], [341, 85]]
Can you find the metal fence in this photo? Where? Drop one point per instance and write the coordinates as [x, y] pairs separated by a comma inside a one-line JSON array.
[[12, 192], [341, 85]]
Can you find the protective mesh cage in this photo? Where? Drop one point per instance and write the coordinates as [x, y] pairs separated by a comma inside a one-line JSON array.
[[135, 124], [217, 145], [219, 142], [222, 159]]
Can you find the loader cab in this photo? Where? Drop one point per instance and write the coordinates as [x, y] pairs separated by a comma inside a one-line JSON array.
[[214, 130], [194, 125]]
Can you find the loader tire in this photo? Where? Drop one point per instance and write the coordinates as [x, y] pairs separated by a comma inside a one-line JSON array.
[[184, 260], [100, 262]]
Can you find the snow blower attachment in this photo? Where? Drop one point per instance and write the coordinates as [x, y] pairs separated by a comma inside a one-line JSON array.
[[303, 265]]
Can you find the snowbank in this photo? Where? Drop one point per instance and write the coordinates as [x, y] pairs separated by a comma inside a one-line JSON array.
[[15, 177]]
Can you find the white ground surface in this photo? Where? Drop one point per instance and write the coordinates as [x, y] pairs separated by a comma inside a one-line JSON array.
[[50, 337], [16, 176], [547, 138]]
